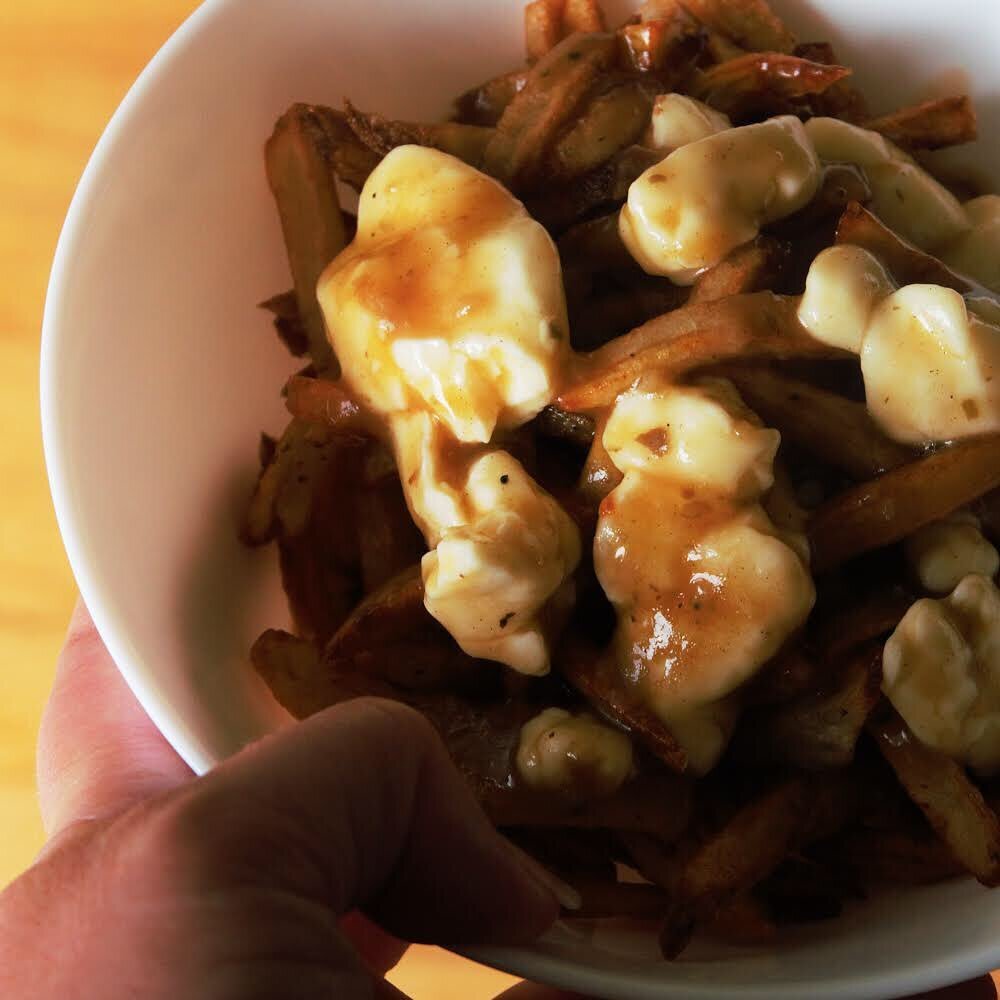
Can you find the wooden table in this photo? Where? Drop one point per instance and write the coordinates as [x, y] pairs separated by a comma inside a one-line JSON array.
[[64, 67]]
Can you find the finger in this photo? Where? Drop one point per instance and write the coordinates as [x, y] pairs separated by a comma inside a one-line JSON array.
[[98, 751], [358, 806]]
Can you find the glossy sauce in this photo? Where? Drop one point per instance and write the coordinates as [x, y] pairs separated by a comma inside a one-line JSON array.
[[706, 588]]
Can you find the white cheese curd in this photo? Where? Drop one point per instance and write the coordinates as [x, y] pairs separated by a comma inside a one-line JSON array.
[[677, 120], [448, 316], [705, 587], [976, 252], [944, 552], [707, 197], [941, 671], [904, 196], [489, 578], [929, 359], [843, 286], [931, 368], [449, 299], [576, 756]]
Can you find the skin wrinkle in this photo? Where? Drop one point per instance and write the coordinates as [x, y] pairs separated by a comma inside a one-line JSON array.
[[229, 886]]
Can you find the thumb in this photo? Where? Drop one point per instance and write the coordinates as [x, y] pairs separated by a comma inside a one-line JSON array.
[[358, 806]]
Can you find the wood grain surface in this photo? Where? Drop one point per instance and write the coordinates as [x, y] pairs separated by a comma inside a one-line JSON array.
[[64, 67]]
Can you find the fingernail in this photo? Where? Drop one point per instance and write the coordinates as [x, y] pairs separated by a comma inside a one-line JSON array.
[[567, 897]]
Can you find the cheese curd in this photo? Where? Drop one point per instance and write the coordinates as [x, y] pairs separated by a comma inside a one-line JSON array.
[[576, 756], [843, 286], [677, 120], [448, 317], [449, 299], [904, 196], [976, 251], [945, 552], [705, 587], [941, 671], [492, 579], [931, 367], [707, 197], [928, 359]]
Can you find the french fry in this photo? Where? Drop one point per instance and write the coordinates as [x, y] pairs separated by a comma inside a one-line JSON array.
[[874, 615], [948, 121], [884, 510], [316, 531], [763, 81], [751, 24], [584, 16], [790, 674], [733, 859], [283, 499], [659, 805], [666, 47], [600, 898], [391, 637], [695, 336], [610, 122], [556, 86], [602, 318], [287, 322], [952, 804], [742, 920], [484, 105], [896, 857], [595, 245], [543, 27], [574, 428], [558, 207], [300, 171], [292, 669], [597, 678], [837, 430], [906, 263], [327, 403], [388, 540], [818, 731], [655, 860], [842, 99], [749, 268], [380, 135], [841, 184]]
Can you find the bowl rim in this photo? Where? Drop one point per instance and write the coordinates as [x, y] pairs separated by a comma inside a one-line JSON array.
[[535, 962]]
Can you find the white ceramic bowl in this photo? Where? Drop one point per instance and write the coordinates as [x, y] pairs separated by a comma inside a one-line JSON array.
[[158, 372]]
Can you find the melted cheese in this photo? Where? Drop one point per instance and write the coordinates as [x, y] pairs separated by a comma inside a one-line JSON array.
[[448, 317], [976, 251], [945, 552], [706, 588], [929, 360], [904, 196], [677, 120], [707, 197], [449, 299], [941, 670], [575, 756]]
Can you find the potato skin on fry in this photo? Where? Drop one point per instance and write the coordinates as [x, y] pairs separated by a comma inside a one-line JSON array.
[[884, 510]]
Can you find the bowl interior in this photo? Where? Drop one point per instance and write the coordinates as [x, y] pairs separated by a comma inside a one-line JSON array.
[[159, 372]]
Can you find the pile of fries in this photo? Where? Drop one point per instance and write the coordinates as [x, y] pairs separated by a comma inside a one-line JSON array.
[[823, 793]]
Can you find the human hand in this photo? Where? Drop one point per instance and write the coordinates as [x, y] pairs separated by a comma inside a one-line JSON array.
[[246, 883]]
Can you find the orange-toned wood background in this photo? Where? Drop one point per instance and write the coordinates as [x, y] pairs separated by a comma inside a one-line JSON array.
[[64, 66]]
